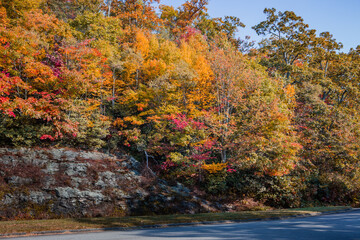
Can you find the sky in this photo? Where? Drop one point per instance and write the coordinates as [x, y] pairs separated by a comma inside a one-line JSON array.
[[339, 17]]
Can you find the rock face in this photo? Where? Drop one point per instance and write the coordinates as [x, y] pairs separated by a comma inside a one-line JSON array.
[[43, 183]]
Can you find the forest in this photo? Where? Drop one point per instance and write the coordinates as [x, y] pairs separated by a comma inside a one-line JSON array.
[[277, 122]]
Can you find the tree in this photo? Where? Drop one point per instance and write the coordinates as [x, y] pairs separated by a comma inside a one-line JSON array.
[[16, 8], [177, 20], [215, 27], [227, 67], [135, 13], [289, 39], [70, 9]]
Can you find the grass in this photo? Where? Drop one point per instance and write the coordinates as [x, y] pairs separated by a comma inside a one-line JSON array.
[[28, 226]]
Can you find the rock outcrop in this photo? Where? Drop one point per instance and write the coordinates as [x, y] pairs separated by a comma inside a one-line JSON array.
[[45, 183]]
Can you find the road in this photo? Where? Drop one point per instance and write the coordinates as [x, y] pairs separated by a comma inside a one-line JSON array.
[[342, 226]]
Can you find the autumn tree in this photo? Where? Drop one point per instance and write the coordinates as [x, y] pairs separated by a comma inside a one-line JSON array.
[[134, 13], [70, 9], [182, 92], [177, 20]]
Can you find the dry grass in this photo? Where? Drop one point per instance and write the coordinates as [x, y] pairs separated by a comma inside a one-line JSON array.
[[28, 226]]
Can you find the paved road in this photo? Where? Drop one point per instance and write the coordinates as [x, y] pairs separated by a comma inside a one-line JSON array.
[[342, 226]]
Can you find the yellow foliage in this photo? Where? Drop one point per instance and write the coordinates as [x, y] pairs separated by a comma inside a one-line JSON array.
[[118, 123], [18, 7], [134, 120], [90, 124], [154, 68], [289, 90], [154, 118], [214, 167], [92, 107], [177, 157], [142, 44]]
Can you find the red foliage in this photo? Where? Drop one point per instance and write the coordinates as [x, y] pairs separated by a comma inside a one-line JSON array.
[[44, 137], [165, 166], [181, 122]]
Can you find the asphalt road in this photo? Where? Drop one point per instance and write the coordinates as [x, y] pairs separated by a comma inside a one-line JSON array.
[[341, 226]]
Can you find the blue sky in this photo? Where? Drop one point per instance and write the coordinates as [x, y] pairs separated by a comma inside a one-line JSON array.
[[339, 17]]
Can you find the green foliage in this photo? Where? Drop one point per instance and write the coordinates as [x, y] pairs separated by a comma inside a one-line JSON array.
[[92, 128], [22, 131], [284, 191], [216, 184]]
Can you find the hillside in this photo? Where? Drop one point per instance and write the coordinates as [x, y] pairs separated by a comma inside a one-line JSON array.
[[273, 125]]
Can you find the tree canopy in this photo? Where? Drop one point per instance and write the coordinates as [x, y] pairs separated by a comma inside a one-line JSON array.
[[180, 91]]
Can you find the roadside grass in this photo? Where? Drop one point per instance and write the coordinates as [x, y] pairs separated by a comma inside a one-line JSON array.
[[29, 226]]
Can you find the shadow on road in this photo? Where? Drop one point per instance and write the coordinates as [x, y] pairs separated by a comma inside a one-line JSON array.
[[340, 226]]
